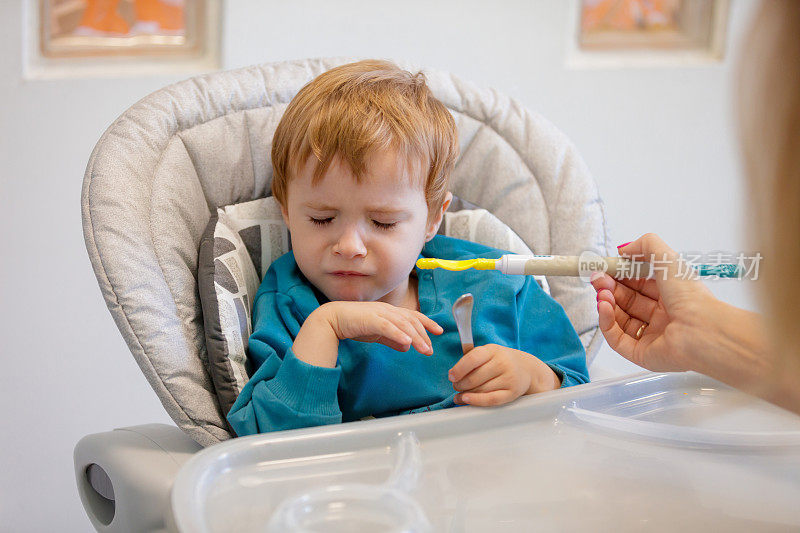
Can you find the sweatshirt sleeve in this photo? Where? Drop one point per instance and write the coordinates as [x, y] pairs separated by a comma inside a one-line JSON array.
[[546, 332], [284, 392]]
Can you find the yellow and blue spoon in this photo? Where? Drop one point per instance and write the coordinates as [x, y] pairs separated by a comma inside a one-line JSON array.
[[566, 265]]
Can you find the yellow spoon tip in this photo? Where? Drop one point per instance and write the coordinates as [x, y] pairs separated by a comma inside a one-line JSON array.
[[447, 264]]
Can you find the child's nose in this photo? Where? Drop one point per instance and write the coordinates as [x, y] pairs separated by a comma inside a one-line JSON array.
[[350, 244]]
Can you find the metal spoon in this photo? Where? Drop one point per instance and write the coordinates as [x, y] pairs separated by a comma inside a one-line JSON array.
[[462, 311]]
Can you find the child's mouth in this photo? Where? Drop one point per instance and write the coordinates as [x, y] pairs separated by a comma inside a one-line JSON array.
[[347, 273]]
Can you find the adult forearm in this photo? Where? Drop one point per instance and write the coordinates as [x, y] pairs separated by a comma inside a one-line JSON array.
[[316, 342], [732, 347], [746, 359]]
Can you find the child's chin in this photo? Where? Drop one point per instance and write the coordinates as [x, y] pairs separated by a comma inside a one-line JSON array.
[[349, 296]]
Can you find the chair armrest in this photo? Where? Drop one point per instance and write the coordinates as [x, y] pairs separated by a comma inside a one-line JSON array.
[[124, 476]]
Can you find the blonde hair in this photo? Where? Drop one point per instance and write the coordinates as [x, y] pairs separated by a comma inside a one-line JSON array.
[[354, 110], [769, 123]]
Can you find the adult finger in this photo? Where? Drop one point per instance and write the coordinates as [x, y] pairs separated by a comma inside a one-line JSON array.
[[673, 278], [632, 302], [665, 262], [646, 287], [629, 324], [616, 338], [646, 246]]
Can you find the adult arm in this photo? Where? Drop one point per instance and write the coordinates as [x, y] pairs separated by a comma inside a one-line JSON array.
[[687, 328]]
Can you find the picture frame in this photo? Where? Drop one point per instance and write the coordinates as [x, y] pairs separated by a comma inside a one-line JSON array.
[[646, 33], [90, 38]]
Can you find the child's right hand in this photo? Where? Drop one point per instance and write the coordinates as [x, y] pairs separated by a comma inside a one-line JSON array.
[[399, 328], [396, 327]]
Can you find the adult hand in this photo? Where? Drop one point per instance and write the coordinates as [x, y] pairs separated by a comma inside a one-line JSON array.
[[671, 323], [496, 375], [661, 323]]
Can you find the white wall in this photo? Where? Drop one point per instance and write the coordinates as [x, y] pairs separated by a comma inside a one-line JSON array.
[[660, 143]]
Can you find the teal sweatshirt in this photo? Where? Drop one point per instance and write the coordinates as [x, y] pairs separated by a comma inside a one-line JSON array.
[[371, 379]]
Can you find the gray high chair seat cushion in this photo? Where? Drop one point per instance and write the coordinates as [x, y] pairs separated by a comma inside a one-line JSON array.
[[167, 163]]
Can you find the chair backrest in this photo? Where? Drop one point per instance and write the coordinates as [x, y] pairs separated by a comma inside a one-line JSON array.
[[161, 168]]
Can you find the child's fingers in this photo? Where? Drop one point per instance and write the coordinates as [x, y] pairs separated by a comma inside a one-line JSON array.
[[469, 362], [498, 382], [477, 377], [390, 332], [405, 318], [485, 399], [420, 341], [392, 344], [430, 324], [420, 329]]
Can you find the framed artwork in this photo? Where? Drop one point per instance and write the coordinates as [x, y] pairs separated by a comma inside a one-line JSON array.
[[647, 32], [86, 37]]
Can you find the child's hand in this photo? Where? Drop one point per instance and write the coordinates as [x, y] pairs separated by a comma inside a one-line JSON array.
[[496, 375], [396, 327], [317, 342]]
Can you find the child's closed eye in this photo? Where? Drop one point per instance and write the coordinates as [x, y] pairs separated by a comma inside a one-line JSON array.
[[384, 225], [328, 220]]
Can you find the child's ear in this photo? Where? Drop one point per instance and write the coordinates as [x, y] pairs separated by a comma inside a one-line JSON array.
[[436, 222]]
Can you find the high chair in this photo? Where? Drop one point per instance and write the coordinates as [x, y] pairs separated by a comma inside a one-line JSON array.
[[166, 164]]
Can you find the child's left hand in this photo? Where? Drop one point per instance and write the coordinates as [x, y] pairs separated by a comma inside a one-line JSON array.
[[495, 375]]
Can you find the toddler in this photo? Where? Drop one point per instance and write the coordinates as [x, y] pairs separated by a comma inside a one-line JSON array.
[[345, 326]]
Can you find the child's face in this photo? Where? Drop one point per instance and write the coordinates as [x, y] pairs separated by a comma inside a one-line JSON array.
[[359, 241]]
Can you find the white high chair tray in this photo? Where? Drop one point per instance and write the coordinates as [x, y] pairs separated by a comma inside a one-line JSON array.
[[649, 451]]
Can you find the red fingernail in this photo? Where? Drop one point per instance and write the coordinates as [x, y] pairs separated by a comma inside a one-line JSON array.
[[624, 245]]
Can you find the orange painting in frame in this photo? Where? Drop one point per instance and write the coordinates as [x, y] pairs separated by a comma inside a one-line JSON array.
[[647, 24], [92, 28]]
